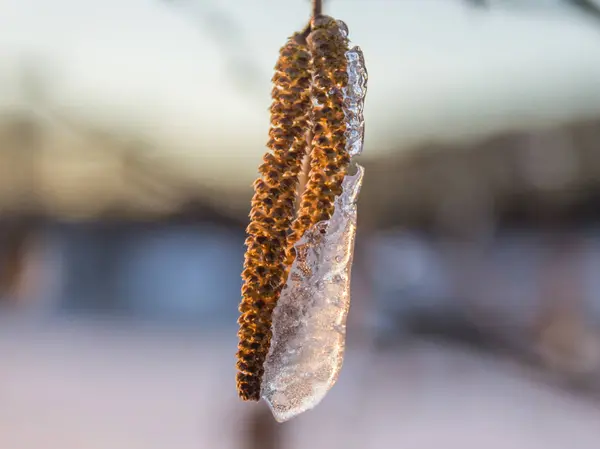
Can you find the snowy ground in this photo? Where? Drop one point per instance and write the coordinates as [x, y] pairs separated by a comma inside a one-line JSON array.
[[81, 385]]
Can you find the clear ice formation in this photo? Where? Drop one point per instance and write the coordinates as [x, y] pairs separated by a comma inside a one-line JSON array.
[[354, 99], [309, 321]]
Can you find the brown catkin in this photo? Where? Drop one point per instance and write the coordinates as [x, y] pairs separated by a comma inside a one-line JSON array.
[[272, 212], [329, 159]]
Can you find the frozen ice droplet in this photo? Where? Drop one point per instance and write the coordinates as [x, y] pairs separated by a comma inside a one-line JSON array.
[[320, 21], [307, 346], [357, 74], [354, 98], [343, 28]]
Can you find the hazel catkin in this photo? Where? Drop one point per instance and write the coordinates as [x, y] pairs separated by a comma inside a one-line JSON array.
[[272, 212], [329, 159]]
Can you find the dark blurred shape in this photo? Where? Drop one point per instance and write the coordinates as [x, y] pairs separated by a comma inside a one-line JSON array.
[[587, 7], [15, 239], [228, 35], [542, 177], [478, 3], [263, 432]]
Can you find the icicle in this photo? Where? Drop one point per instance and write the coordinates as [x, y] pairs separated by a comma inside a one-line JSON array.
[[309, 321], [354, 98]]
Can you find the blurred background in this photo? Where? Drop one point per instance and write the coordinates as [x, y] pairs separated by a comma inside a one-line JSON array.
[[130, 134]]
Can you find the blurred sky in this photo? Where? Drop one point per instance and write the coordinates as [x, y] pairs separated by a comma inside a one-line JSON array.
[[193, 77]]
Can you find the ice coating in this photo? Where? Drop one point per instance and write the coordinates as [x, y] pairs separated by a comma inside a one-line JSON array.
[[343, 27], [309, 321], [354, 99], [354, 95]]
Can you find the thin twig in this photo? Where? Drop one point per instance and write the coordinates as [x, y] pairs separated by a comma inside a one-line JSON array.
[[317, 8]]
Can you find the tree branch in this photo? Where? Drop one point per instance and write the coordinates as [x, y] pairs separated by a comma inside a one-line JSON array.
[[588, 7]]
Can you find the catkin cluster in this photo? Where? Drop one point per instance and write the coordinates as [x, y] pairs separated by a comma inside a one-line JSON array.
[[329, 159], [307, 94]]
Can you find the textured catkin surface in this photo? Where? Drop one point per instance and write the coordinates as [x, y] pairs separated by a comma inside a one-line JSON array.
[[272, 212], [329, 159]]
